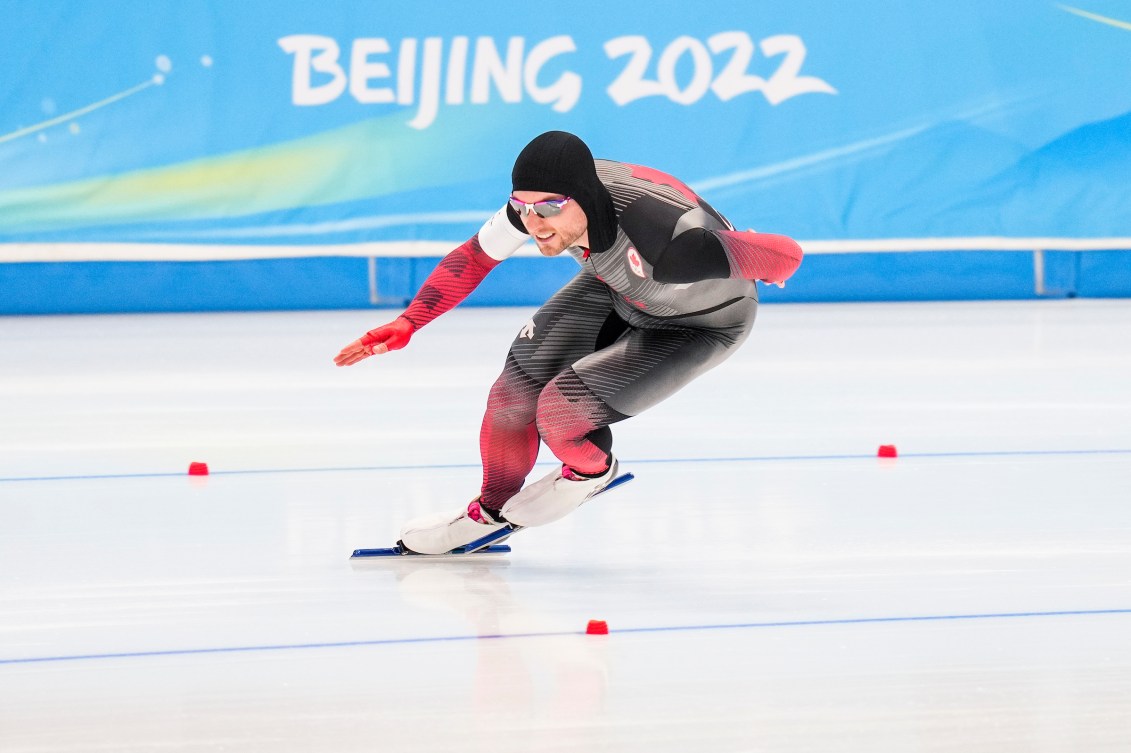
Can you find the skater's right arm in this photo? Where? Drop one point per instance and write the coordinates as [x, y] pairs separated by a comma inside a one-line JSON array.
[[457, 274]]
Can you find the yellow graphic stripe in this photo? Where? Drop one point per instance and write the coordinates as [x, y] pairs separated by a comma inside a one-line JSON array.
[[1096, 17], [362, 160]]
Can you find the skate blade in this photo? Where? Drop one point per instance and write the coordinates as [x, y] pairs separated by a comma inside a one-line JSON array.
[[488, 546], [397, 551]]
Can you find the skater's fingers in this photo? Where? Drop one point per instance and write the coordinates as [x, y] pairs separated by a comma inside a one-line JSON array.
[[351, 354], [358, 351]]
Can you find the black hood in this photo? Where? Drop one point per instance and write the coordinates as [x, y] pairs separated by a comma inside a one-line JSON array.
[[559, 162]]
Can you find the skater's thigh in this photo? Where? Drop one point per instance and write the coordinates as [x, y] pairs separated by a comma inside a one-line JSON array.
[[646, 366], [576, 321]]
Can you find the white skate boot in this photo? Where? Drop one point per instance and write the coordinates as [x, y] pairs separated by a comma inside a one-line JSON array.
[[440, 533], [556, 495]]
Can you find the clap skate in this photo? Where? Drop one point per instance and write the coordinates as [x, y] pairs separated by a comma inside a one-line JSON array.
[[476, 532]]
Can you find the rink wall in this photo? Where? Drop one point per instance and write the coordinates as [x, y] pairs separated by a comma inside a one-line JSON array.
[[335, 282]]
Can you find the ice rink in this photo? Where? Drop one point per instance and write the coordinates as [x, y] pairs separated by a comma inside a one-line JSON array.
[[768, 582]]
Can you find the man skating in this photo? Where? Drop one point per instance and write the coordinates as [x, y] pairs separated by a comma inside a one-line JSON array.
[[666, 291]]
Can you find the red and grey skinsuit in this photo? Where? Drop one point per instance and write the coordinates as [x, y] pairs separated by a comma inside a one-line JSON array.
[[672, 297]]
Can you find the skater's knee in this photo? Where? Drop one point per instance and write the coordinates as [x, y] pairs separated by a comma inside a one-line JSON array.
[[507, 409], [510, 416], [512, 401], [565, 410]]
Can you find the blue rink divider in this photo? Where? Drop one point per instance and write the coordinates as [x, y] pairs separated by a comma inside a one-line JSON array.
[[641, 630], [969, 454], [331, 282]]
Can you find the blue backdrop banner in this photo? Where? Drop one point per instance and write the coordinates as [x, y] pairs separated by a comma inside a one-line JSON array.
[[286, 123]]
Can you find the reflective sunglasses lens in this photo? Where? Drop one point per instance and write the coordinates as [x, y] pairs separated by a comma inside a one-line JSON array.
[[548, 209]]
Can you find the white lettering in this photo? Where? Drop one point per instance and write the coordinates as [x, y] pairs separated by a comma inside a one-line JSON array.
[[633, 83], [457, 71], [429, 73], [489, 67], [362, 71], [566, 91], [430, 83], [406, 71], [303, 46], [785, 82], [734, 80], [701, 78]]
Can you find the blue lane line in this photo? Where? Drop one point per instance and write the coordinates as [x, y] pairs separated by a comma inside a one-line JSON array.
[[445, 466], [656, 629], [246, 472]]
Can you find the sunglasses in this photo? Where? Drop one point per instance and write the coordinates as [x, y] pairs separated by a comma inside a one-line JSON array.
[[547, 208]]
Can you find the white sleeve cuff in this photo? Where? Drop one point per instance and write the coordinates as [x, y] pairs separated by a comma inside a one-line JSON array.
[[499, 238]]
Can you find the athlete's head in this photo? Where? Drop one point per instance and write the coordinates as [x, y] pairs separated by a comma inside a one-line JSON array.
[[558, 165]]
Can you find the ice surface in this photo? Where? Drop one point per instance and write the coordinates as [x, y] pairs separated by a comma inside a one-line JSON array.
[[769, 584]]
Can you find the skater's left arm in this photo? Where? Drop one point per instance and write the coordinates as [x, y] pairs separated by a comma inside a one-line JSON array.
[[706, 254]]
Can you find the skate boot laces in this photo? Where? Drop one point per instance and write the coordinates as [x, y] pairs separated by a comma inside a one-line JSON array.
[[570, 474], [476, 512]]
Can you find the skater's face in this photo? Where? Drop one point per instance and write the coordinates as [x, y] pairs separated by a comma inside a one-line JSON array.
[[554, 234]]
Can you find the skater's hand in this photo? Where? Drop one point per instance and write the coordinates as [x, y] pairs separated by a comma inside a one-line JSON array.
[[392, 336]]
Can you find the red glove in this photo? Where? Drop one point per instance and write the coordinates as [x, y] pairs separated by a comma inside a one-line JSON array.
[[392, 336]]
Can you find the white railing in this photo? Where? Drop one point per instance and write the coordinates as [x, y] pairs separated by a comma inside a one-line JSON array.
[[39, 252], [67, 252]]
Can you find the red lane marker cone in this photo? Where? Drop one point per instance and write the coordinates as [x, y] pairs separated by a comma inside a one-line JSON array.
[[887, 451], [198, 469], [597, 627]]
